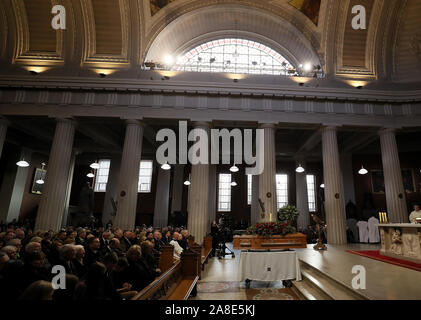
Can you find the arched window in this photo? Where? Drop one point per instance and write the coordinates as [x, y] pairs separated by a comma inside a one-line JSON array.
[[234, 56]]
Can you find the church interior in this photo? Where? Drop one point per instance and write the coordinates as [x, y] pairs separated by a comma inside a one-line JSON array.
[[105, 107]]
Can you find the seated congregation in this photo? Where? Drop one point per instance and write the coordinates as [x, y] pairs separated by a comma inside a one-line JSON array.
[[100, 264]]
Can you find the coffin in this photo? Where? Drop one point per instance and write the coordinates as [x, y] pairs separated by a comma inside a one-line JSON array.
[[290, 241]]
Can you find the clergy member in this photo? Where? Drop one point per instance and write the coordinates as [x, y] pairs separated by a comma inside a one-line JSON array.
[[416, 214]]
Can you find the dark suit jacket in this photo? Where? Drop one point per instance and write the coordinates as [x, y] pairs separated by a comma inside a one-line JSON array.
[[92, 257]]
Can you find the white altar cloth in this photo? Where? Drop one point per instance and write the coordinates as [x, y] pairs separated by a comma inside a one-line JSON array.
[[269, 266]]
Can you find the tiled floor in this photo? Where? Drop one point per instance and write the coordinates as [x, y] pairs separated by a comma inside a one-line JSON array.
[[220, 282]]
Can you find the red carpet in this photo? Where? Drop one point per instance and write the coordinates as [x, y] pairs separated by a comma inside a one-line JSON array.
[[376, 256]]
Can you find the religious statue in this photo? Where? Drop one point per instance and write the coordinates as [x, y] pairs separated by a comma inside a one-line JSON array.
[[320, 245], [396, 242]]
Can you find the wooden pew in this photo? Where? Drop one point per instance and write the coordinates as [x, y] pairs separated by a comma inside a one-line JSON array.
[[177, 283], [207, 250], [166, 259]]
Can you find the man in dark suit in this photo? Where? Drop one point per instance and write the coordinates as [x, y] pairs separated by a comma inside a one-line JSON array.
[[93, 253]]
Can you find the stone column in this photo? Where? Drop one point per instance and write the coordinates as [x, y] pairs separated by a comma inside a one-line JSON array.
[[13, 188], [255, 207], [393, 182], [53, 200], [3, 130], [112, 190], [267, 180], [129, 176], [177, 189], [162, 197], [348, 178], [198, 205], [212, 194], [302, 196], [69, 190], [334, 194]]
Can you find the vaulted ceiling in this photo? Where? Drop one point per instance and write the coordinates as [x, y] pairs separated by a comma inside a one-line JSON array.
[[122, 34]]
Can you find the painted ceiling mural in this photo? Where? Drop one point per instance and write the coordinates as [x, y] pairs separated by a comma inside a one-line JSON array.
[[311, 8]]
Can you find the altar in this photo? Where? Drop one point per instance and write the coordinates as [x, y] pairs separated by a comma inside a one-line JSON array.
[[401, 241]]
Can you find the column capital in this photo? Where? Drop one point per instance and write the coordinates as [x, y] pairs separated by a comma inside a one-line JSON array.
[[134, 122], [202, 124], [387, 130], [328, 128], [268, 125], [68, 120]]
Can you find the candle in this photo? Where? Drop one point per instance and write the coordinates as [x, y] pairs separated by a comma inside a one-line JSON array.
[[385, 218], [270, 215], [380, 217]]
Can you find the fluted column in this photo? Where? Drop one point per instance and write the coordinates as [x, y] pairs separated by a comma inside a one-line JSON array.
[[212, 194], [112, 190], [395, 193], [53, 199], [129, 176], [334, 194], [303, 220], [3, 130], [255, 208], [65, 220], [160, 217], [177, 188], [267, 180], [198, 206]]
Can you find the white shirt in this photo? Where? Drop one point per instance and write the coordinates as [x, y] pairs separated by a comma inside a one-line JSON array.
[[414, 215], [178, 250]]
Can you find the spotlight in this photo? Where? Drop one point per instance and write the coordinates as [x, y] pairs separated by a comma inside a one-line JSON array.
[[40, 181], [234, 169], [22, 164], [233, 184], [307, 67], [363, 171], [90, 175], [102, 75], [301, 84], [322, 186], [360, 87], [300, 169], [33, 72], [165, 78], [235, 80], [187, 182], [166, 166]]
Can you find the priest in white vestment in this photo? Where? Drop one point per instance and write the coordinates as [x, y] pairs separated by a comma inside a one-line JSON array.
[[416, 214]]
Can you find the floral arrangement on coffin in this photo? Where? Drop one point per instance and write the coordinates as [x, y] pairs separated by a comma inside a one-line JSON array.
[[286, 216]]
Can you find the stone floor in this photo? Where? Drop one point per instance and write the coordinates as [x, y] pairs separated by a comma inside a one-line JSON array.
[[384, 281], [219, 282]]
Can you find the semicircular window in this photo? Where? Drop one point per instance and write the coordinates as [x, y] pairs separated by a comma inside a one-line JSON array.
[[234, 56]]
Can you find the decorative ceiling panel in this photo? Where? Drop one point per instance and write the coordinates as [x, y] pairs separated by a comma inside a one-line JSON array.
[[37, 40], [157, 5]]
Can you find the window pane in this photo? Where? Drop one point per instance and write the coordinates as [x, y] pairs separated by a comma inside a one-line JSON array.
[[282, 190], [311, 192], [224, 193], [101, 177], [234, 55], [145, 176]]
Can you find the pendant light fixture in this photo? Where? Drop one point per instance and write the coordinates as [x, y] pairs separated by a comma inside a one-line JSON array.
[[94, 165], [187, 182], [322, 186], [90, 175], [363, 171], [22, 163], [234, 169], [300, 169], [234, 184], [166, 166]]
